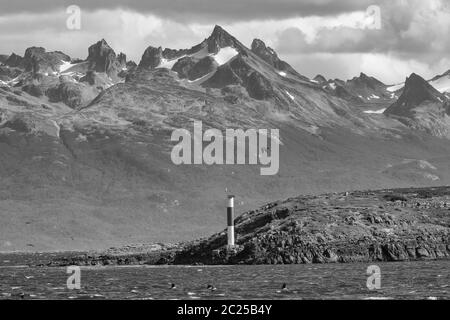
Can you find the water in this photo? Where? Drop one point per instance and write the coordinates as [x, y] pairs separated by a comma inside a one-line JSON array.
[[406, 280]]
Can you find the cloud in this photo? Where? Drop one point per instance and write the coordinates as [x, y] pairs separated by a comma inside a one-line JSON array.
[[198, 10], [413, 38], [416, 28]]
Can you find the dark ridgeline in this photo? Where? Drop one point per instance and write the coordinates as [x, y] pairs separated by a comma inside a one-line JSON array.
[[416, 92]]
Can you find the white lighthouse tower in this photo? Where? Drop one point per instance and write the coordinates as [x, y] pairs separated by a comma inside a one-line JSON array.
[[230, 222]]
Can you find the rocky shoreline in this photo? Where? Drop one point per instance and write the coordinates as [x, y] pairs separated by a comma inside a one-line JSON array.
[[364, 226]]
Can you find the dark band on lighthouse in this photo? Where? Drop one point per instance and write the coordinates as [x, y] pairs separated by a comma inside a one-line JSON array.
[[230, 221]]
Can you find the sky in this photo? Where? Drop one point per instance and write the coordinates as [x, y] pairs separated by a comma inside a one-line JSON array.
[[388, 39]]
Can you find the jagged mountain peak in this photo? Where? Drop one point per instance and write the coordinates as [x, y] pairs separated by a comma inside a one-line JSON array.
[[266, 53], [151, 58], [415, 84], [102, 58], [364, 78], [258, 44], [415, 77], [219, 31], [14, 60], [34, 49], [96, 47], [220, 39], [269, 55], [415, 92], [362, 75], [320, 79], [154, 57], [14, 55]]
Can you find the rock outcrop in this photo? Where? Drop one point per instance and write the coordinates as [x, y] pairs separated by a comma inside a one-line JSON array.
[[269, 55], [151, 58], [184, 66], [202, 67], [335, 228], [320, 79], [3, 58], [102, 58], [14, 61], [36, 60]]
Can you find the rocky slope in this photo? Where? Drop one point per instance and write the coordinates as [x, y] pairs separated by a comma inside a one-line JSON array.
[[386, 225], [422, 107], [416, 92]]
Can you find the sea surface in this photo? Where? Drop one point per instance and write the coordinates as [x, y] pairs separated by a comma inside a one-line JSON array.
[[405, 280]]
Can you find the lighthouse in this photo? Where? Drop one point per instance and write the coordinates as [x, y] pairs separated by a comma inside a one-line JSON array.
[[230, 220]]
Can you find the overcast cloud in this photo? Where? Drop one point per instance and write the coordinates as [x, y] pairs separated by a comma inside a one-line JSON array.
[[316, 36], [199, 10]]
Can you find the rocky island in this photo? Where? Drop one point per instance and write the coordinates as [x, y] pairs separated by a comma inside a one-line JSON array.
[[363, 226]]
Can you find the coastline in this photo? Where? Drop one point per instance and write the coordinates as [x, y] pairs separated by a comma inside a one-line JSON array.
[[363, 226]]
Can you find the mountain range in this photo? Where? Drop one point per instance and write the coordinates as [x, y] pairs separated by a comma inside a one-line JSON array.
[[85, 144]]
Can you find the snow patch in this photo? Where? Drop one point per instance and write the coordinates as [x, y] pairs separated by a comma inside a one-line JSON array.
[[442, 84], [225, 54], [290, 95], [395, 87], [282, 73], [13, 82], [66, 65], [381, 111], [58, 128], [431, 177], [201, 78], [168, 63]]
